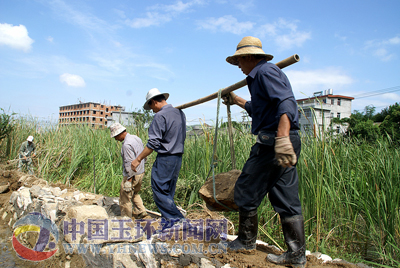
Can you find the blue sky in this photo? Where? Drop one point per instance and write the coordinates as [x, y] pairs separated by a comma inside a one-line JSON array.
[[56, 53]]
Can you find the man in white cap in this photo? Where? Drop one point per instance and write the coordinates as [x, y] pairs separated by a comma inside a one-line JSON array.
[[271, 166], [26, 152], [131, 183], [167, 134]]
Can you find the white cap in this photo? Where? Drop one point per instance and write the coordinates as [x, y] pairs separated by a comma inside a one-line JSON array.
[[30, 138], [154, 92], [116, 129]]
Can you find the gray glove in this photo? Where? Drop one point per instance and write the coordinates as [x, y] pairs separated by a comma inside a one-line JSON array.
[[284, 152], [229, 98], [127, 186]]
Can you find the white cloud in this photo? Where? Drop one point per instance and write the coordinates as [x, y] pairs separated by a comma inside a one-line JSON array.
[[226, 23], [381, 48], [50, 39], [15, 36], [84, 20], [285, 33], [159, 14], [152, 19], [308, 82], [72, 80]]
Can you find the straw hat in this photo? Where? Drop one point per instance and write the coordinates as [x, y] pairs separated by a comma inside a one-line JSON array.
[[154, 92], [249, 45], [30, 138], [116, 129]]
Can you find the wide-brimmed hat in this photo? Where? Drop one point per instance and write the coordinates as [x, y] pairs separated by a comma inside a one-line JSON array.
[[249, 45], [154, 92], [30, 138], [116, 129]]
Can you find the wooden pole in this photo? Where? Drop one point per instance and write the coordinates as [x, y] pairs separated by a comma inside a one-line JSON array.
[[282, 64]]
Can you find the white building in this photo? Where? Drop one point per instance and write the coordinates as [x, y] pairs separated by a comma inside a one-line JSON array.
[[122, 117], [317, 112]]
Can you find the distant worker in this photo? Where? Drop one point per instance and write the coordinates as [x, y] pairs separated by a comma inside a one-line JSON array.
[[271, 166], [131, 183], [26, 153], [167, 134]]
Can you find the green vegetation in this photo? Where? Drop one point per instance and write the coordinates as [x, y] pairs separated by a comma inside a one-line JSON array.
[[6, 125], [349, 188], [369, 126]]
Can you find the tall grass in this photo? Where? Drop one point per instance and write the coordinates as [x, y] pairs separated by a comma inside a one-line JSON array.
[[349, 189]]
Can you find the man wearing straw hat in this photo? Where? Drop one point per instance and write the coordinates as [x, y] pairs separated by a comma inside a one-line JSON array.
[[271, 166], [131, 183], [26, 152], [167, 134]]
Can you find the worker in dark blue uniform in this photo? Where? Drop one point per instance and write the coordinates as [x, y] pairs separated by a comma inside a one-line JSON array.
[[167, 134], [271, 166]]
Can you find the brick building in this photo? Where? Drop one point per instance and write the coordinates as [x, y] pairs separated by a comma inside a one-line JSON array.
[[89, 113]]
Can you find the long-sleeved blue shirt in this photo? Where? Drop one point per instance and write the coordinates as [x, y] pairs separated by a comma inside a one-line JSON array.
[[167, 132], [271, 97]]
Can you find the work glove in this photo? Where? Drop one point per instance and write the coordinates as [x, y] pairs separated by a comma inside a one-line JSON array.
[[127, 186], [284, 152], [229, 98]]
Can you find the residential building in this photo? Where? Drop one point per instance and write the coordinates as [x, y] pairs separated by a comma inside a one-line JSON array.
[[317, 112], [89, 113], [122, 117]]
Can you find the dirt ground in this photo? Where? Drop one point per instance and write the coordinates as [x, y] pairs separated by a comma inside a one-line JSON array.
[[60, 259]]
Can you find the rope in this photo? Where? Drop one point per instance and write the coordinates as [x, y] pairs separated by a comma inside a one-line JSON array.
[[214, 161]]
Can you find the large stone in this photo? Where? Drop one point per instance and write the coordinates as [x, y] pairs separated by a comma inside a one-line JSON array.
[[82, 214], [24, 198], [224, 191], [121, 260], [4, 188], [35, 190]]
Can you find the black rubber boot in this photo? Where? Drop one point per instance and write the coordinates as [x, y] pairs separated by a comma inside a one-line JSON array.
[[293, 231], [246, 240]]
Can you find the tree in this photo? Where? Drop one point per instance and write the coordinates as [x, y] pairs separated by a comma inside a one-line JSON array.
[[391, 122], [142, 117]]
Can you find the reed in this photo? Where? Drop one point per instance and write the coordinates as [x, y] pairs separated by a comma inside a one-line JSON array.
[[349, 188]]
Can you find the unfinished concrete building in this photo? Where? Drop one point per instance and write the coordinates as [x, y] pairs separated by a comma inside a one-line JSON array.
[[89, 113]]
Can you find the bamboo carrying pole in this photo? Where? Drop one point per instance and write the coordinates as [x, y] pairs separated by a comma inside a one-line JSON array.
[[282, 64]]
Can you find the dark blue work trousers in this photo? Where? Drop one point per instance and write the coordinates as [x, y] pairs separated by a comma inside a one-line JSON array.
[[261, 175], [164, 176]]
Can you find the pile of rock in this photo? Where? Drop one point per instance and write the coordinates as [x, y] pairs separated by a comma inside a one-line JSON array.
[[90, 226], [73, 211]]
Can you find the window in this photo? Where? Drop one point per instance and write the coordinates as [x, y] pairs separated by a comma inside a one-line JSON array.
[[338, 129], [94, 112], [332, 101], [338, 115], [338, 102]]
